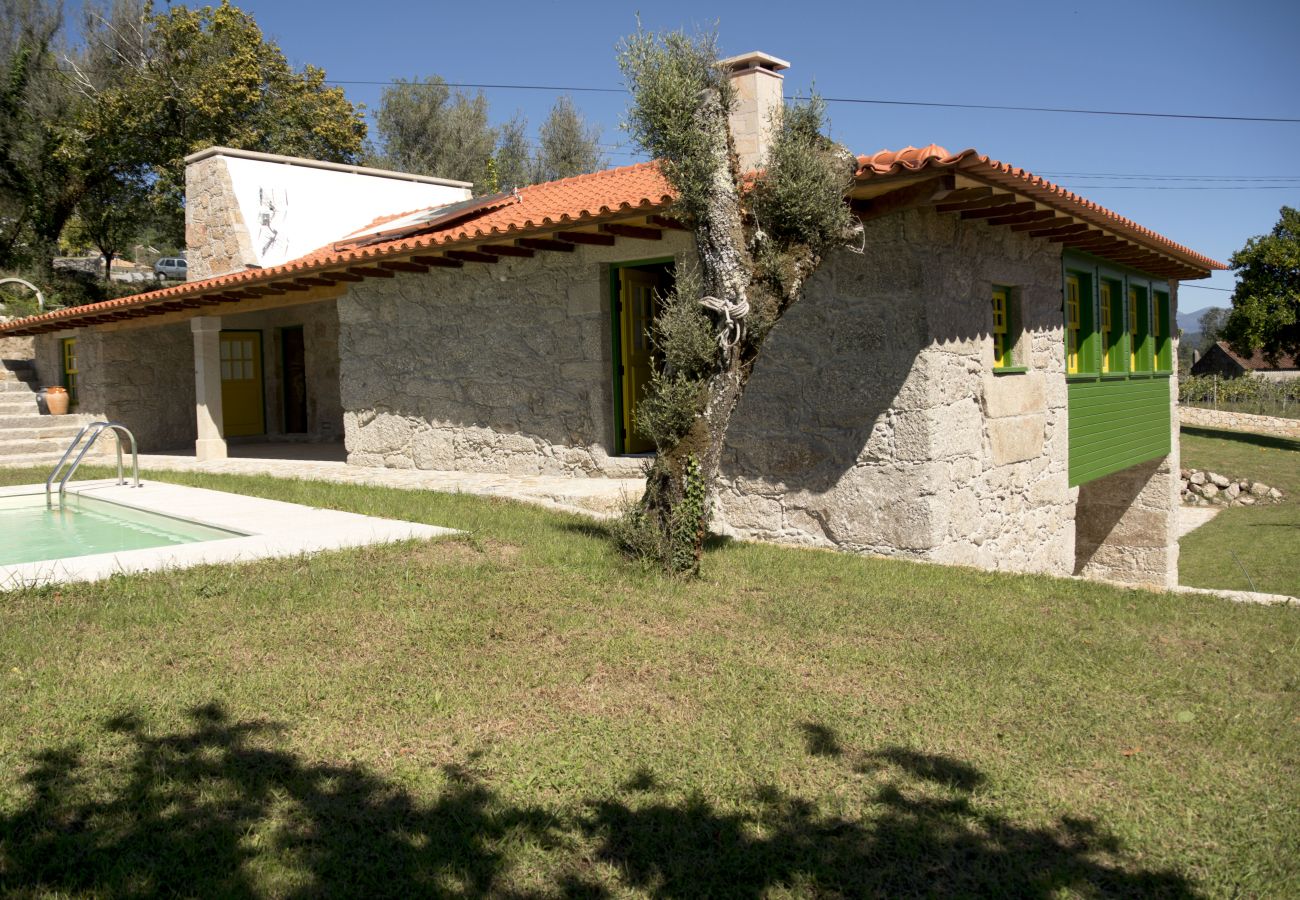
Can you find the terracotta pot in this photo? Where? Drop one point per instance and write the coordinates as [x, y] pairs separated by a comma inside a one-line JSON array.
[[56, 400]]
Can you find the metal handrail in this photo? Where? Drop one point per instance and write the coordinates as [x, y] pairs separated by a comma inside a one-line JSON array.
[[96, 429]]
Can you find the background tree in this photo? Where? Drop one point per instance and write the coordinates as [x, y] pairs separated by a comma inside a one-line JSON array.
[[568, 144], [428, 129], [40, 180], [1211, 325], [515, 166], [185, 79], [1266, 304], [713, 326], [108, 123]]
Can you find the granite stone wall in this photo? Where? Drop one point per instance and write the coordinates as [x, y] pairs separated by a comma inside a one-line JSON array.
[[873, 422], [489, 368], [141, 377], [215, 232]]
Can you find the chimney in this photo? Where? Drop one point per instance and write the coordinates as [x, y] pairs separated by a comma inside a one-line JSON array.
[[757, 81]]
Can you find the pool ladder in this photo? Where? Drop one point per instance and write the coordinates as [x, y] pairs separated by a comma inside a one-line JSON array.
[[94, 430]]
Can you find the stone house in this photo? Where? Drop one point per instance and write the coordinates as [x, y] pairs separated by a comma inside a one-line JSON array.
[[987, 381], [1222, 361]]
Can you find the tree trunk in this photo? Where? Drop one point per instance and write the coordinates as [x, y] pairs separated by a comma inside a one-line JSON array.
[[682, 476]]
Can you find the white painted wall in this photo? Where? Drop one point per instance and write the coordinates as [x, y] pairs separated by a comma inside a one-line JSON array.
[[291, 209]]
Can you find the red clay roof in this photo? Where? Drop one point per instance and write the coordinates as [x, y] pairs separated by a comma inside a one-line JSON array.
[[1256, 362], [969, 162], [586, 199]]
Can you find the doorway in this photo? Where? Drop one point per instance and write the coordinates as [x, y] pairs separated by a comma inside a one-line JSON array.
[[294, 379], [637, 291], [241, 383]]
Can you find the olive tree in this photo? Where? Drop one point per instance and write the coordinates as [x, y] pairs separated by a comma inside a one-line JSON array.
[[757, 239]]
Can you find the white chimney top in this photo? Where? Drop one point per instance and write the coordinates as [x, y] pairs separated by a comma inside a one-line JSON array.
[[759, 99]]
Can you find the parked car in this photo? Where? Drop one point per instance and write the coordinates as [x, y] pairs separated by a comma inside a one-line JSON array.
[[171, 267]]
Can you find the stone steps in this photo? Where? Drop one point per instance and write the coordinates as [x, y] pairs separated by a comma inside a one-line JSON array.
[[29, 437]]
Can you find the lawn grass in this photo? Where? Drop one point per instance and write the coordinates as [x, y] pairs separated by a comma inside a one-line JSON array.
[[520, 712], [1245, 548]]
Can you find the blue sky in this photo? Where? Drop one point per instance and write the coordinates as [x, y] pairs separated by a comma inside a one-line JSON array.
[[1209, 58]]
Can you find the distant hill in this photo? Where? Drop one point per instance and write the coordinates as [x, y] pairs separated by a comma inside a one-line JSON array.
[[1191, 321]]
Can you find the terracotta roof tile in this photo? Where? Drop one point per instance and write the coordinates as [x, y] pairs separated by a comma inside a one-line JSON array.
[[969, 162], [586, 199]]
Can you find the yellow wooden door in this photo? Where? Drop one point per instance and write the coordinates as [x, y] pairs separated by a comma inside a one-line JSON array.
[[241, 383], [638, 296]]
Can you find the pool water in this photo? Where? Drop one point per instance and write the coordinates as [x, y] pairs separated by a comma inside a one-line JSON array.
[[29, 532]]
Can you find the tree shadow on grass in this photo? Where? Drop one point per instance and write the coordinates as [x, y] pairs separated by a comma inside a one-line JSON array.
[[203, 811]]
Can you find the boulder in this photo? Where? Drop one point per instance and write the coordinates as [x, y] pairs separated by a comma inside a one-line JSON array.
[[1217, 480], [1246, 500], [1209, 491], [1232, 491], [1260, 489], [1274, 494], [1197, 478]]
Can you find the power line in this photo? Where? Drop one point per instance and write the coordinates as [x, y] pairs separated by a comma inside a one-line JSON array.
[[1172, 177], [1205, 287], [869, 100], [584, 89], [1058, 109], [1190, 187]]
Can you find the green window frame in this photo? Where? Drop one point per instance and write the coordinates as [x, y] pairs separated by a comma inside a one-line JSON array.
[[1082, 341], [1162, 331], [1007, 329], [1114, 347], [1141, 358], [68, 350]]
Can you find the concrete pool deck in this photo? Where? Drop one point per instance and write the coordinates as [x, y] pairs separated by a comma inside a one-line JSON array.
[[268, 529], [592, 496]]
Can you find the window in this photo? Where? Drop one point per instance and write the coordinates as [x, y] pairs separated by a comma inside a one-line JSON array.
[[70, 369], [1072, 324], [1006, 329], [1112, 326], [1139, 327], [1162, 332], [1080, 324]]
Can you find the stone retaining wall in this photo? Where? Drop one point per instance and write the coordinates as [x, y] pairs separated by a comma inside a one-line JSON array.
[[1218, 418]]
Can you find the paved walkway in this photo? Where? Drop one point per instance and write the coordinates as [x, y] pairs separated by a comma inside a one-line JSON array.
[[324, 462]]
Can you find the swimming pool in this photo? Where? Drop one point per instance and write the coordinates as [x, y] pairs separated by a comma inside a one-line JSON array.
[[82, 526], [114, 529]]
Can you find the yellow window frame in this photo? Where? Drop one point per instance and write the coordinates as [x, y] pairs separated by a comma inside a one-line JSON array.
[[1072, 324], [70, 371], [1001, 343], [1106, 325]]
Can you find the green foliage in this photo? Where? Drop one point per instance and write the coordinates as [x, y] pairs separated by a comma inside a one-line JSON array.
[[799, 198], [1247, 393], [569, 145], [682, 334], [104, 128], [667, 73], [429, 129], [670, 405], [513, 160], [1266, 304], [1211, 324], [39, 179]]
